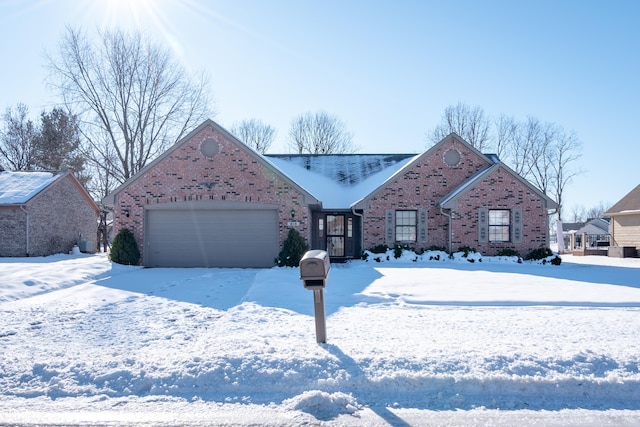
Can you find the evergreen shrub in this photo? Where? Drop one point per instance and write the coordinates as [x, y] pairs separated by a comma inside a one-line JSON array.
[[538, 254], [379, 249], [466, 250], [508, 252], [124, 249], [293, 249]]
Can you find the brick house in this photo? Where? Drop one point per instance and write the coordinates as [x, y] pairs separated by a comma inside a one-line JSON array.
[[209, 200], [44, 213]]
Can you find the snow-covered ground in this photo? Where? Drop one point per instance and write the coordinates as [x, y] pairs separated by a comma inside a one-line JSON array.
[[409, 342]]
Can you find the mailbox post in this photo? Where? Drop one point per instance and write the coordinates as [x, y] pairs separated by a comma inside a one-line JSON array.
[[314, 270]]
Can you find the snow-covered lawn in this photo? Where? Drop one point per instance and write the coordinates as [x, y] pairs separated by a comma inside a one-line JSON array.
[[451, 342]]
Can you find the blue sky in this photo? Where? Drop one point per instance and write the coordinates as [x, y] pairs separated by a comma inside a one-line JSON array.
[[388, 69]]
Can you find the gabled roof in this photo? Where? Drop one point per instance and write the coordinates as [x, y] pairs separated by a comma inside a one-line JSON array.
[[572, 227], [346, 170], [17, 188], [628, 205], [417, 159], [110, 198], [448, 201], [594, 226], [340, 180]]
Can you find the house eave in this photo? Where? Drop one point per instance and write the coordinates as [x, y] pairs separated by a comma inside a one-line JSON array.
[[622, 213]]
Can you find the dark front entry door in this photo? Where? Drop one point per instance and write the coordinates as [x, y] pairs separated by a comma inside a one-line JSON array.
[[337, 233]]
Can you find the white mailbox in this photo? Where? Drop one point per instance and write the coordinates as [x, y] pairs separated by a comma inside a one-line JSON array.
[[314, 269]]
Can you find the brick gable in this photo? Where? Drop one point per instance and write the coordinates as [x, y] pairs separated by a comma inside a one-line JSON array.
[[425, 183], [233, 174], [421, 186]]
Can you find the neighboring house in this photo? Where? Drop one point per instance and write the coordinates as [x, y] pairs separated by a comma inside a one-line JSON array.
[[43, 213], [595, 227], [594, 232], [210, 200], [569, 230], [625, 224]]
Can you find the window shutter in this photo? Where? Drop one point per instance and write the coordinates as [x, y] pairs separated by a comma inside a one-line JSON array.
[[483, 225], [516, 220], [390, 226], [422, 226]]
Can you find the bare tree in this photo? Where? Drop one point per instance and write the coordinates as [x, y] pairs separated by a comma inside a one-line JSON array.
[[470, 123], [577, 214], [133, 98], [597, 210], [566, 151], [18, 140], [506, 134], [522, 150], [320, 133], [255, 134], [542, 154]]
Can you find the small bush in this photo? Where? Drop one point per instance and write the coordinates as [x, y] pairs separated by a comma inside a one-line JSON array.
[[398, 249], [508, 252], [124, 249], [293, 249], [379, 249], [556, 260], [538, 254], [466, 250], [437, 248]]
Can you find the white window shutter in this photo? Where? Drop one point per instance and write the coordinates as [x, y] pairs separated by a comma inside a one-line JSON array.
[[422, 225], [390, 227], [516, 220], [483, 225]]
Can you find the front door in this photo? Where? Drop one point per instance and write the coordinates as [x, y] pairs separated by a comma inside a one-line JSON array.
[[336, 233]]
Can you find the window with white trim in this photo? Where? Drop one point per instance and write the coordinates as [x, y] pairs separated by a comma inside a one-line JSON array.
[[499, 225], [406, 225]]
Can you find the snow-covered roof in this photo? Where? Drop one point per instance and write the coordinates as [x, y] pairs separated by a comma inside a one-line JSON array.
[[339, 180], [592, 226], [19, 187]]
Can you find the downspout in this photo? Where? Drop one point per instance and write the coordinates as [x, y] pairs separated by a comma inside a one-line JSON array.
[[559, 234], [449, 233], [353, 211], [27, 213]]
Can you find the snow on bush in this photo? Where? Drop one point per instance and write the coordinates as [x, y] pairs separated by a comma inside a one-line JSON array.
[[408, 255]]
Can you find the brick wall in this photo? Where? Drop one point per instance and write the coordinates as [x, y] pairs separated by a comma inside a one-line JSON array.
[[431, 179], [500, 190], [233, 174], [422, 187], [59, 217], [13, 225]]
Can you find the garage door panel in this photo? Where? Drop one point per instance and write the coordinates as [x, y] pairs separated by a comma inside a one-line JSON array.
[[211, 238]]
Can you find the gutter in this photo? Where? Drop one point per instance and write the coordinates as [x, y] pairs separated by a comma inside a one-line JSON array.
[[27, 213], [353, 211], [448, 215]]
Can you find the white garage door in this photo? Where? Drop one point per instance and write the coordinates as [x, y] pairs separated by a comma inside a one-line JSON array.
[[196, 236]]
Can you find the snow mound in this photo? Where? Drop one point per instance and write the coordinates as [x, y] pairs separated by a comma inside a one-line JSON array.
[[322, 405]]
